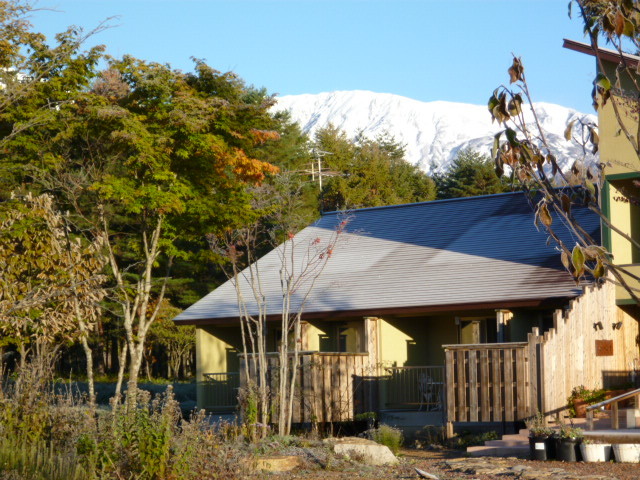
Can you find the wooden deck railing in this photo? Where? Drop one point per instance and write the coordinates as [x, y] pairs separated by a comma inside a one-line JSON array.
[[494, 382], [420, 388], [220, 391], [615, 420]]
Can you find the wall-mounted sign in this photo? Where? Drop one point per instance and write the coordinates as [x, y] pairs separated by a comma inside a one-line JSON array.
[[604, 348]]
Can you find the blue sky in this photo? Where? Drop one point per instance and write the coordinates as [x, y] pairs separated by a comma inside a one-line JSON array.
[[454, 50]]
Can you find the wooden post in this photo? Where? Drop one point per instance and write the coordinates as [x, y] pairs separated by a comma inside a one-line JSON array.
[[450, 385], [473, 386], [534, 404], [502, 320], [449, 430], [371, 340], [615, 421]]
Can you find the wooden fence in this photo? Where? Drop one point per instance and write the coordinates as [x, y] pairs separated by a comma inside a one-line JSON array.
[[592, 343], [494, 382], [330, 387]]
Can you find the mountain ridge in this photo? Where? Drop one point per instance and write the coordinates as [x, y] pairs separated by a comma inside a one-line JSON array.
[[432, 132]]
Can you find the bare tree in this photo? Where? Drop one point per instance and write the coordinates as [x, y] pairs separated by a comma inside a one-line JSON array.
[[527, 153], [301, 262]]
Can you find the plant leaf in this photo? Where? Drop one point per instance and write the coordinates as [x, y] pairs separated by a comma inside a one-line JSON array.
[[599, 270], [545, 217], [516, 71], [496, 145], [566, 203], [569, 130], [577, 260], [564, 257]]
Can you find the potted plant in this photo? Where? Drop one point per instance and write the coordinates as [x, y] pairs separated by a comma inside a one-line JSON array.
[[627, 452], [541, 442], [594, 451], [581, 398], [568, 444]]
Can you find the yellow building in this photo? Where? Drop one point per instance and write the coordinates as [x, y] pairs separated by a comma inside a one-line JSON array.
[[619, 156]]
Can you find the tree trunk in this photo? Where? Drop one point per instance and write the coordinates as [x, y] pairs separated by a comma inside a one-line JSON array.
[[89, 356], [122, 363], [294, 371], [23, 356], [135, 365]]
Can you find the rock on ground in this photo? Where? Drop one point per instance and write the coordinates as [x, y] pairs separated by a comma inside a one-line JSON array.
[[368, 451]]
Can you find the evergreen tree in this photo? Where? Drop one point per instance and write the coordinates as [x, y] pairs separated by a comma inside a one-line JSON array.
[[471, 174], [368, 173]]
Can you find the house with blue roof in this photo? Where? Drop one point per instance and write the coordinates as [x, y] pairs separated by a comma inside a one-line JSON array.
[[436, 311]]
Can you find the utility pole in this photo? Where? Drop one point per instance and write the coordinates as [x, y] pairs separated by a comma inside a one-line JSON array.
[[317, 163]]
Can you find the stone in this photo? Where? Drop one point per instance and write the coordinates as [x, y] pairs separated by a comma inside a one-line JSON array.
[[498, 467], [370, 452], [278, 463]]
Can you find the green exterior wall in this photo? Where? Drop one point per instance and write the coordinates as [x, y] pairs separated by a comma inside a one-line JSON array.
[[622, 167]]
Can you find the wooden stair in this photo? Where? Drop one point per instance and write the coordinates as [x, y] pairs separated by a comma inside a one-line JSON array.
[[518, 445]]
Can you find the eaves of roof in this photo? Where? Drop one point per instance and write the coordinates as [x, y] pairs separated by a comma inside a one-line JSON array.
[[555, 302], [607, 54]]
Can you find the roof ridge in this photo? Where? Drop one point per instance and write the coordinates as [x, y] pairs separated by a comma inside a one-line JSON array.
[[430, 202]]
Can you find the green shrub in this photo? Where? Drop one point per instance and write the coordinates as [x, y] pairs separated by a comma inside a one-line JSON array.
[[386, 435], [431, 435]]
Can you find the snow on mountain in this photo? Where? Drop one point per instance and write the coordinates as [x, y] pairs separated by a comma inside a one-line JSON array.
[[433, 132]]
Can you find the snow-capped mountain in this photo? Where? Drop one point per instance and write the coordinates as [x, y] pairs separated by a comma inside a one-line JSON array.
[[433, 132]]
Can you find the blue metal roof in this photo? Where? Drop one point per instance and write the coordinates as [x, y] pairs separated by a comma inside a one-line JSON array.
[[432, 254]]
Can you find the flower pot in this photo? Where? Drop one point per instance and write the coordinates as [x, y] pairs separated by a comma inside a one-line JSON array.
[[627, 452], [542, 448], [568, 449], [580, 406], [595, 452]]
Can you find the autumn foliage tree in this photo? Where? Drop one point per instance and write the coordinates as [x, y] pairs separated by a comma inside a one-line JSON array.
[[149, 161], [52, 282]]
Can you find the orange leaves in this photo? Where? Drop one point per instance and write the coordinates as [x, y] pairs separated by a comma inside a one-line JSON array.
[[250, 169], [260, 137]]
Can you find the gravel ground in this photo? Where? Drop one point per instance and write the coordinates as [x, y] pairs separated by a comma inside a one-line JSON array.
[[454, 465]]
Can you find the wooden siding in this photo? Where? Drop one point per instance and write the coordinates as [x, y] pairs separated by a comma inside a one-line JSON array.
[[568, 355], [512, 381], [330, 387], [494, 382]]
